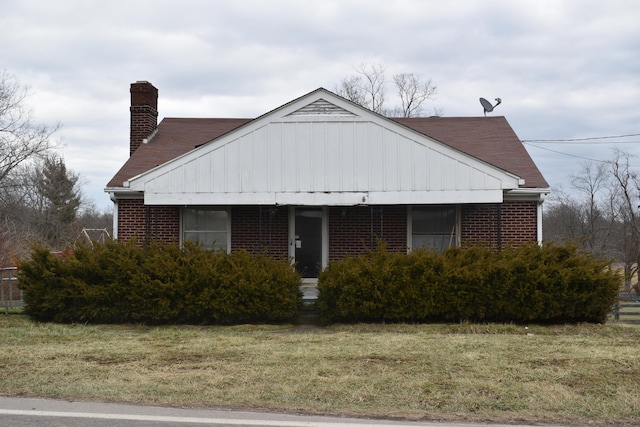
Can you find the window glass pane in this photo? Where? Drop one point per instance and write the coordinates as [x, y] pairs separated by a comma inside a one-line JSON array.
[[208, 240], [190, 219], [216, 220], [434, 219], [207, 226], [433, 227], [434, 242]]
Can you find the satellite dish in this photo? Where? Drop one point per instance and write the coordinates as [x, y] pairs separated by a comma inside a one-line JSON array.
[[487, 105]]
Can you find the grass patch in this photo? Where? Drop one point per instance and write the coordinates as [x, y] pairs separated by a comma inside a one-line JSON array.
[[502, 373]]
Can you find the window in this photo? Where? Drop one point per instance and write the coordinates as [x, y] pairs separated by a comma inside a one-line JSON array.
[[205, 225], [433, 227]]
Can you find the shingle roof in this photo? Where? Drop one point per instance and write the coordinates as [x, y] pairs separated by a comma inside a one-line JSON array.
[[490, 139], [175, 137]]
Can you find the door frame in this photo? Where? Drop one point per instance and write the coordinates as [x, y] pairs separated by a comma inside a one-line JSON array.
[[325, 238]]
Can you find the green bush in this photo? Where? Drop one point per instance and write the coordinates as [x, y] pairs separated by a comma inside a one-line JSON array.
[[158, 283], [531, 283], [381, 286]]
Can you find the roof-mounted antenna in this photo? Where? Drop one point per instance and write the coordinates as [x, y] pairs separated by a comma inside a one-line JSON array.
[[487, 105]]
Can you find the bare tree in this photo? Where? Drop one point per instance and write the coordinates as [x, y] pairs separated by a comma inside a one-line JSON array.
[[628, 183], [413, 90], [351, 89], [562, 219], [21, 142], [368, 88], [373, 77], [592, 183], [20, 138], [601, 212], [586, 215]]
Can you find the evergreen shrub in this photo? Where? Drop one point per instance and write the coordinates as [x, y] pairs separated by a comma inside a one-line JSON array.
[[531, 283], [158, 283]]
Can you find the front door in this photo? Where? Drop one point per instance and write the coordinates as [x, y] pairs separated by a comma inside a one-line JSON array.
[[308, 241]]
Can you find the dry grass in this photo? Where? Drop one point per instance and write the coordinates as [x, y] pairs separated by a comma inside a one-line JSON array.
[[504, 373]]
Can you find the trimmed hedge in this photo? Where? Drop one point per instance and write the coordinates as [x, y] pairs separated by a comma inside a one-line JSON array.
[[118, 282], [532, 283]]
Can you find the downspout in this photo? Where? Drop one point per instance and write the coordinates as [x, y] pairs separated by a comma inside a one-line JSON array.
[[381, 222], [260, 227], [147, 224], [499, 209], [371, 224], [115, 216], [271, 214], [539, 219]]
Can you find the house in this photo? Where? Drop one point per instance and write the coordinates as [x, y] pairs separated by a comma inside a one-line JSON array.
[[321, 177]]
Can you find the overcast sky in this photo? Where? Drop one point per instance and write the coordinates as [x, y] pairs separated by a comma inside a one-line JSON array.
[[564, 69]]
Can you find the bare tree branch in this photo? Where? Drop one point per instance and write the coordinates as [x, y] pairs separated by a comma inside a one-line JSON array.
[[20, 138], [373, 77], [367, 89], [413, 91], [351, 89]]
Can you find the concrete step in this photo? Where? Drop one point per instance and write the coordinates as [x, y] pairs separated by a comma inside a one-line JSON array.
[[308, 315]]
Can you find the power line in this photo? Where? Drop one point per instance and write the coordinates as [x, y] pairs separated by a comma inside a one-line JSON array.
[[572, 155], [566, 154], [585, 139]]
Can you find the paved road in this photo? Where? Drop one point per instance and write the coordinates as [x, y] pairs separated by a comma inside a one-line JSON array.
[[18, 412]]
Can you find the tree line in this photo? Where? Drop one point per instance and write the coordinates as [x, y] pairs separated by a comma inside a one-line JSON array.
[[40, 198], [600, 211]]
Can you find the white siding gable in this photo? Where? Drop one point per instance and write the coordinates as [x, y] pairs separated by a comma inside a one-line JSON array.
[[323, 150]]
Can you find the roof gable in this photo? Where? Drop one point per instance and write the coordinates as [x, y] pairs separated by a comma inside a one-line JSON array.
[[320, 149]]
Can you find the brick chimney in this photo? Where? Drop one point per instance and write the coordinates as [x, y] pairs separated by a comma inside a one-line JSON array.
[[144, 113]]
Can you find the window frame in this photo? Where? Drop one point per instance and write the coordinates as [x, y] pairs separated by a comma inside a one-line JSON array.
[[457, 224], [227, 230]]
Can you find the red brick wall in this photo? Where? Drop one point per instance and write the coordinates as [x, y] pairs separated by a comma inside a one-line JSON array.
[[260, 229], [163, 221], [144, 113], [517, 221], [353, 230]]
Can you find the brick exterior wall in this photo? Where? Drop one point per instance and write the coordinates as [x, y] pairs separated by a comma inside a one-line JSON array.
[[353, 230], [144, 223], [261, 229], [517, 221], [144, 113]]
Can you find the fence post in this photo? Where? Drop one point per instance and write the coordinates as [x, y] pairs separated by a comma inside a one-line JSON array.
[[6, 308]]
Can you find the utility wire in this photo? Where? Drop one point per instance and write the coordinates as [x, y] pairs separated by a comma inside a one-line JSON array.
[[567, 154], [585, 139], [572, 155]]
